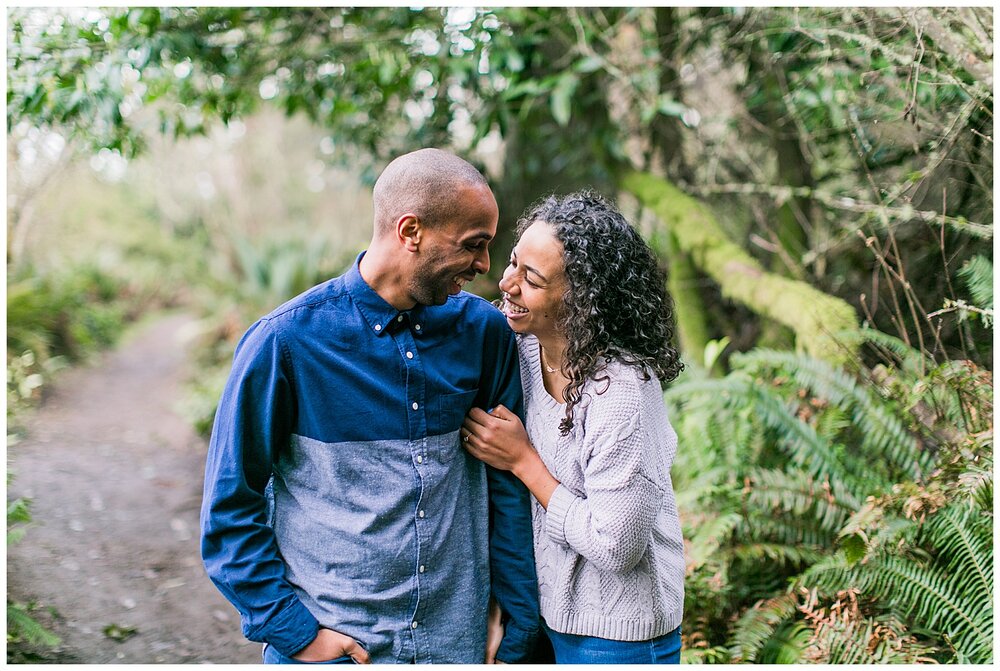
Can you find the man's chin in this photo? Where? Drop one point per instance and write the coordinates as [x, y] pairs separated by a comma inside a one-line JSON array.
[[437, 298]]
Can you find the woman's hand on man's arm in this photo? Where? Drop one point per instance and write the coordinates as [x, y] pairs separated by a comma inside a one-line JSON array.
[[500, 440]]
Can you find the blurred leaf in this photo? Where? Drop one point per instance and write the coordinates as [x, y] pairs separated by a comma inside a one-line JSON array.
[[119, 633], [670, 107], [589, 64], [562, 96]]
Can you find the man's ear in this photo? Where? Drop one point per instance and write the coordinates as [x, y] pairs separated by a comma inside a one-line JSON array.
[[409, 231]]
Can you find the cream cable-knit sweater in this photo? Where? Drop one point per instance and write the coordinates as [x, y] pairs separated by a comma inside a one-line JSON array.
[[609, 551]]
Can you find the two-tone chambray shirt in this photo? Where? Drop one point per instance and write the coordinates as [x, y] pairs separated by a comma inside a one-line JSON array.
[[337, 493]]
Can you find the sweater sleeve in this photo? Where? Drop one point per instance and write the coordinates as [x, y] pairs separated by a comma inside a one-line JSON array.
[[611, 523]]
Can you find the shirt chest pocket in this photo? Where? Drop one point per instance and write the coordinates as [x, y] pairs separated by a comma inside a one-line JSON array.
[[442, 441], [452, 408]]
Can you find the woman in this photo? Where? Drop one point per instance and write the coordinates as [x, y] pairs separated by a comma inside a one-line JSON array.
[[585, 296]]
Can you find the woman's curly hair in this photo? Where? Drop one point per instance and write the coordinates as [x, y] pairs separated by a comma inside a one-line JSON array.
[[616, 305]]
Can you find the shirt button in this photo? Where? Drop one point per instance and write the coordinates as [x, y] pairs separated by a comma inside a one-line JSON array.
[[413, 625], [399, 318], [378, 327], [409, 355], [417, 326], [420, 514], [415, 406], [420, 459], [422, 567]]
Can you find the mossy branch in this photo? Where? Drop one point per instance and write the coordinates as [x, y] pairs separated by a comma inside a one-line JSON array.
[[814, 316]]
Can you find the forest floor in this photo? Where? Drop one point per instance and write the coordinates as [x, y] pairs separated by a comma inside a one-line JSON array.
[[111, 559]]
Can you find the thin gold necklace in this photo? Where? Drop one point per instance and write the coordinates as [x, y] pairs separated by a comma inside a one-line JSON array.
[[541, 352]]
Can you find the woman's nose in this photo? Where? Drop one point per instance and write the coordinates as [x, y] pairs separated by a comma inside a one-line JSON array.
[[506, 282]]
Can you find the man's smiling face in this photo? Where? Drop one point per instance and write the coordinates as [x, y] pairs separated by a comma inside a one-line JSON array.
[[454, 252]]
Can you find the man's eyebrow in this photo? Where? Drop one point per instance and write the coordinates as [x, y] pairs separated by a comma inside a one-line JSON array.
[[478, 236]]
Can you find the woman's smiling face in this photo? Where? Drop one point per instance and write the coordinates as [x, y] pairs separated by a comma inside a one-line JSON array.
[[534, 282]]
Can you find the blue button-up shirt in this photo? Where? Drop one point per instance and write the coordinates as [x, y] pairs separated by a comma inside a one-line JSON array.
[[337, 493]]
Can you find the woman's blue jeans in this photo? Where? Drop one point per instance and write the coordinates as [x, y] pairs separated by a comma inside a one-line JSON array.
[[573, 649]]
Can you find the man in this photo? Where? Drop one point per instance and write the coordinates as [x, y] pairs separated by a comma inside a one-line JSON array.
[[341, 516]]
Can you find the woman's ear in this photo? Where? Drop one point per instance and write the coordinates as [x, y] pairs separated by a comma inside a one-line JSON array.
[[409, 231]]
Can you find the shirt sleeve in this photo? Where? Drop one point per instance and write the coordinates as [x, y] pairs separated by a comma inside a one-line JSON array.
[[512, 561], [611, 524], [238, 546]]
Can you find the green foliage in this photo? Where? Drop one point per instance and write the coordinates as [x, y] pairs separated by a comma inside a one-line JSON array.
[[757, 626], [18, 513], [257, 278], [50, 313], [273, 271], [946, 586], [21, 626], [978, 275], [53, 320], [794, 474], [204, 391], [880, 433], [819, 105], [828, 481]]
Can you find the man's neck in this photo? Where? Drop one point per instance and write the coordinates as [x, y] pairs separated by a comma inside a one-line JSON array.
[[385, 276]]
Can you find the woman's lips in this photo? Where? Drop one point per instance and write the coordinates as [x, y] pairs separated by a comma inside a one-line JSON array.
[[513, 310]]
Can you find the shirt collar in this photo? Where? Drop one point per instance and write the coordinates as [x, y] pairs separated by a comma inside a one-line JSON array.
[[380, 316], [376, 311]]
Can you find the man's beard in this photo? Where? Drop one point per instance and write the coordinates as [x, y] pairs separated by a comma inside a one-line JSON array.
[[429, 289]]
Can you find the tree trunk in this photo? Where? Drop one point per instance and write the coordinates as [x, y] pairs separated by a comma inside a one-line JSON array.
[[667, 141], [682, 283], [815, 317]]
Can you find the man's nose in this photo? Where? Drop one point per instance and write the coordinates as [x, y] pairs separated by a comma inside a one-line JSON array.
[[481, 264]]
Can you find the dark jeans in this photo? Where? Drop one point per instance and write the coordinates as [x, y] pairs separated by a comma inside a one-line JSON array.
[[272, 656], [573, 649]]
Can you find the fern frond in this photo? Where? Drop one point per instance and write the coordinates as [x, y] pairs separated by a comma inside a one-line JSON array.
[[795, 492], [787, 530], [806, 448], [758, 624], [714, 655], [978, 485], [732, 386], [880, 429], [908, 358], [963, 540], [921, 593], [978, 275], [21, 626], [776, 553], [787, 646], [709, 537], [865, 641]]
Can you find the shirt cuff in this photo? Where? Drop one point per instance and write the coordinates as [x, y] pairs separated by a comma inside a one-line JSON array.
[[290, 630], [517, 645], [560, 503]]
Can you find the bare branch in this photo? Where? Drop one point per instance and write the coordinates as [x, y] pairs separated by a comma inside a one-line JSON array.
[[905, 213], [958, 50]]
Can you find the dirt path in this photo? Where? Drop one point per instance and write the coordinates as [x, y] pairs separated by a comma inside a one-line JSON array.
[[115, 476]]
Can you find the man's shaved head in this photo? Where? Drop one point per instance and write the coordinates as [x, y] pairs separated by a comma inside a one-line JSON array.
[[424, 183]]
